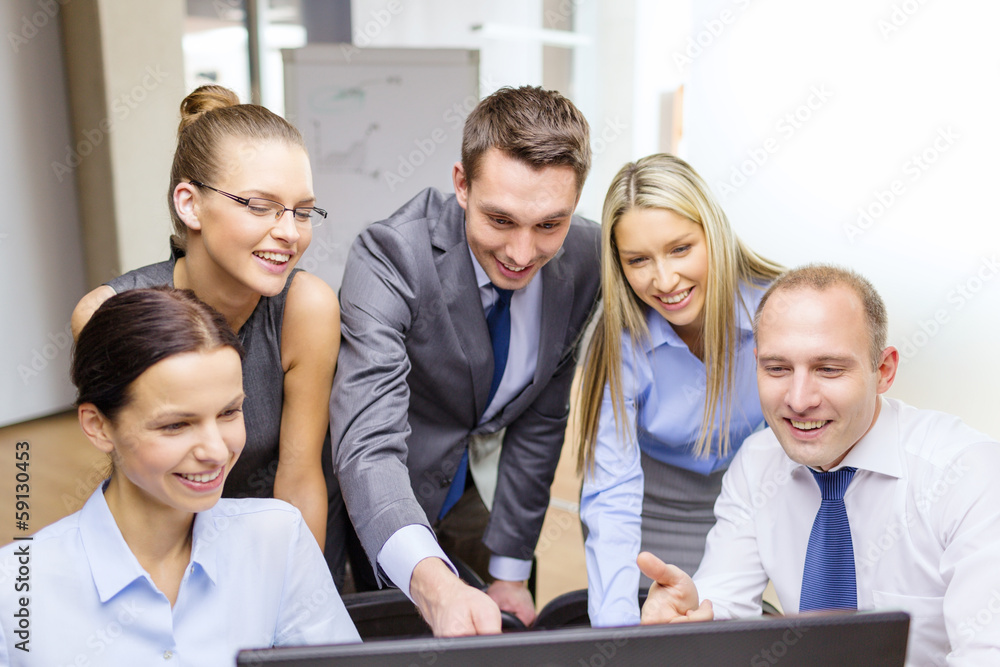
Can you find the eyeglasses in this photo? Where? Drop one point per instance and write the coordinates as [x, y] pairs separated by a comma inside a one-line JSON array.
[[260, 207]]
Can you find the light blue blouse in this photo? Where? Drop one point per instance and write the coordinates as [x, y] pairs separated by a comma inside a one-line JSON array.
[[664, 397], [256, 579]]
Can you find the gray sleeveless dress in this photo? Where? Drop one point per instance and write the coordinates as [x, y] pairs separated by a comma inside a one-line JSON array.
[[263, 382]]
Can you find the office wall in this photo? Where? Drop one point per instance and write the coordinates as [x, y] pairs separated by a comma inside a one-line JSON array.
[[41, 260], [511, 39], [125, 76], [877, 122], [501, 30], [87, 127], [865, 133], [367, 158], [858, 132]]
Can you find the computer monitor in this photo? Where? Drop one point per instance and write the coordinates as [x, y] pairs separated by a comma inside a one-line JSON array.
[[814, 640]]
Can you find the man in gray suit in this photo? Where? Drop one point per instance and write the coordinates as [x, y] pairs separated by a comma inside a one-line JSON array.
[[419, 408]]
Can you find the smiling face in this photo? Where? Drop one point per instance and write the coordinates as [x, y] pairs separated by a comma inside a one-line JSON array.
[[179, 435], [664, 257], [818, 387], [516, 217], [257, 253]]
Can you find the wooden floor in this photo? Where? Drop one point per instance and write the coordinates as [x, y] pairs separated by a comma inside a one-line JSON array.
[[65, 468]]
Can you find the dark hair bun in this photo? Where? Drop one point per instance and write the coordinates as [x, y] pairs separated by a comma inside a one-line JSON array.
[[204, 99]]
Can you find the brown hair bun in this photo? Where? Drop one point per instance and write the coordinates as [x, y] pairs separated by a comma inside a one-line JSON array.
[[204, 99], [209, 116]]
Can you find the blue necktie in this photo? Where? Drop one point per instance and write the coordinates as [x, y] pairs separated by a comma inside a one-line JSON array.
[[828, 578], [498, 324]]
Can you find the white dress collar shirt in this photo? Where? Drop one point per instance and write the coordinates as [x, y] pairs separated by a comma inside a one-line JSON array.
[[925, 525], [256, 579]]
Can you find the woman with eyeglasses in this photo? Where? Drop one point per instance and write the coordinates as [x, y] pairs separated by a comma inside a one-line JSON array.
[[156, 569], [242, 204]]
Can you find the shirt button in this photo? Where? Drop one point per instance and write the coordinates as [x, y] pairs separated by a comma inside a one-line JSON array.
[[167, 655]]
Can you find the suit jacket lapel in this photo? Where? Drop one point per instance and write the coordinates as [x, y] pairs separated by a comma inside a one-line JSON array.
[[465, 308], [557, 307]]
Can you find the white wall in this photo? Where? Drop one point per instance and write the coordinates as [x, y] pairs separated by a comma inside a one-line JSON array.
[[510, 40], [836, 102], [803, 116], [491, 27], [887, 92], [41, 257], [143, 77]]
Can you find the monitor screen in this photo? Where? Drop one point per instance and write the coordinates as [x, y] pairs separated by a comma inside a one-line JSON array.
[[813, 640]]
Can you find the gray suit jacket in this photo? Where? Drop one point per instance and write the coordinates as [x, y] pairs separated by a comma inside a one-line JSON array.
[[414, 375]]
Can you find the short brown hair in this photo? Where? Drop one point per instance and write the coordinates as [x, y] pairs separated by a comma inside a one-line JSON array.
[[823, 276], [539, 127], [209, 116]]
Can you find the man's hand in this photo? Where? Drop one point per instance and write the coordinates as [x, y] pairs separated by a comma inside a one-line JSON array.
[[673, 597], [451, 607], [513, 596]]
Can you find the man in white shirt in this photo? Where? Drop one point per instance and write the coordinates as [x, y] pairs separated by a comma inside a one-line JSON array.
[[922, 505]]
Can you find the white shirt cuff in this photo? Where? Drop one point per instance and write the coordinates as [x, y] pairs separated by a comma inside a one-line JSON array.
[[509, 569], [404, 549]]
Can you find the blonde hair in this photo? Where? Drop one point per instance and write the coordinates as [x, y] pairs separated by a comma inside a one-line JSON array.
[[209, 116], [663, 181]]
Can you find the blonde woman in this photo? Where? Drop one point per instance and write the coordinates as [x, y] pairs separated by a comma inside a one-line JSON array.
[[669, 388], [242, 204]]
